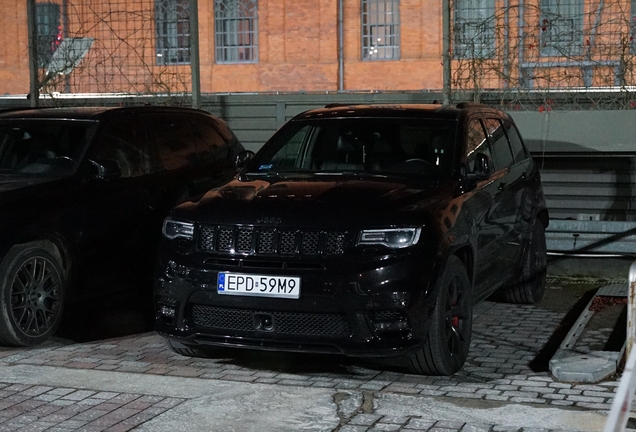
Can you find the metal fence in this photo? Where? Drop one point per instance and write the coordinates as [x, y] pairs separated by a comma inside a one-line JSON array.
[[546, 54], [113, 47], [521, 54]]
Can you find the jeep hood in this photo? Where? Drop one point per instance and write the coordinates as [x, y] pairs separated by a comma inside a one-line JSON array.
[[328, 201]]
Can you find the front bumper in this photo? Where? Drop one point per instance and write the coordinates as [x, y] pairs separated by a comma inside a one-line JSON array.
[[359, 309]]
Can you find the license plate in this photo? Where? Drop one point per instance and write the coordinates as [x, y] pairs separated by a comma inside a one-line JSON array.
[[258, 285]]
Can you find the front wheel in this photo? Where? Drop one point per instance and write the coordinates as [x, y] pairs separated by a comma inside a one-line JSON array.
[[448, 341], [32, 284]]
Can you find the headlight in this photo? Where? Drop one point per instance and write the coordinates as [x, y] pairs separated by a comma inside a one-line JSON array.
[[394, 238], [173, 229]]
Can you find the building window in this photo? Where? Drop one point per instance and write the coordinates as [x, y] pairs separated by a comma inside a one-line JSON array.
[[236, 31], [561, 27], [172, 19], [632, 22], [49, 31], [474, 28], [380, 29]]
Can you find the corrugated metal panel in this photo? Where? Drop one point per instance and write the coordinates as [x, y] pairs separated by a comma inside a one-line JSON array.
[[590, 186]]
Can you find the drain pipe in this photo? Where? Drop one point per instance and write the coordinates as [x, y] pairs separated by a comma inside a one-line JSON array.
[[446, 54], [340, 45]]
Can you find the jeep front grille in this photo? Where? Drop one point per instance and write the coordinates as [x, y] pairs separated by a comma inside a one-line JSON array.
[[246, 240]]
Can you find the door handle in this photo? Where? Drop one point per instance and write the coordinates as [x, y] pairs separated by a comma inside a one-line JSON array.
[[502, 186]]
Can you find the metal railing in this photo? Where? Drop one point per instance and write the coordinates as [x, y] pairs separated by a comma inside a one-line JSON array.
[[622, 404]]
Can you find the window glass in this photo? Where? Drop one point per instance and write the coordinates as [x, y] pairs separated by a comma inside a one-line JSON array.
[[380, 29], [381, 146], [49, 31], [43, 147], [474, 28], [476, 142], [172, 22], [561, 27], [632, 22], [518, 150], [210, 144], [236, 30], [175, 143], [126, 143], [499, 142]]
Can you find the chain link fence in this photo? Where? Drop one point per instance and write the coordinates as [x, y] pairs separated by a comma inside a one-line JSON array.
[[545, 54], [517, 54], [115, 47]]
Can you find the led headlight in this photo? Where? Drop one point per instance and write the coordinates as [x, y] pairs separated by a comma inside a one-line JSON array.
[[173, 229], [394, 238]]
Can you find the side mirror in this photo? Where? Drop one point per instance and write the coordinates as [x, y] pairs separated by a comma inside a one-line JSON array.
[[105, 169], [243, 158]]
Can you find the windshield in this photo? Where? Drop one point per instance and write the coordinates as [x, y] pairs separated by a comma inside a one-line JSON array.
[[378, 146], [43, 147]]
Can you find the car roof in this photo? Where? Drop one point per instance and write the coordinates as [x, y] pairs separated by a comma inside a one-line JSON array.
[[89, 113], [429, 111]]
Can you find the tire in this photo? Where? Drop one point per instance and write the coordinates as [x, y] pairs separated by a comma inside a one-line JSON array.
[[33, 287], [448, 340], [529, 286], [189, 351]]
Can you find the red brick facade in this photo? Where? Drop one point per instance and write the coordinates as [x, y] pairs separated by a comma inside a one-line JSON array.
[[297, 49]]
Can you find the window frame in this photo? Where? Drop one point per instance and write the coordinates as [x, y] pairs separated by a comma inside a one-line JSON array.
[[235, 31], [632, 25], [376, 17], [483, 29], [551, 35], [48, 18], [172, 32]]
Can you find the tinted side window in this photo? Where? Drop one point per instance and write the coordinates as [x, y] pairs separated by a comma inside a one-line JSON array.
[[476, 142], [499, 141], [211, 145], [125, 142], [175, 143], [518, 149]]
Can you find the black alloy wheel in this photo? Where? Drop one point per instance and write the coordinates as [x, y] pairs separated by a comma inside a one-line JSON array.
[[446, 348], [32, 295]]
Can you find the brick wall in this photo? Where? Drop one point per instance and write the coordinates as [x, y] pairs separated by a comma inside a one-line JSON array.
[[298, 49]]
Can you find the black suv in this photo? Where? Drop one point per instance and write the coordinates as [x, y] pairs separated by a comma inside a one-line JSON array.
[[84, 192], [363, 230]]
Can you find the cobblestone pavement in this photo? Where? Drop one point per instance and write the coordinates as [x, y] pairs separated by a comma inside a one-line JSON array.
[[504, 368]]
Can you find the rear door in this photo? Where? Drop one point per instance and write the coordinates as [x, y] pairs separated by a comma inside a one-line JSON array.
[[118, 211], [509, 190]]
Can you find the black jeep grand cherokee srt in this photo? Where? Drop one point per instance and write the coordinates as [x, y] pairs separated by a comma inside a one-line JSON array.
[[363, 230]]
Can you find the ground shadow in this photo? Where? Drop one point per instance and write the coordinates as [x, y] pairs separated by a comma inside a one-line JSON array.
[[106, 317]]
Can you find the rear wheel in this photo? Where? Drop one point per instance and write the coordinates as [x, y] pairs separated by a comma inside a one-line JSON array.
[[448, 341], [32, 284], [529, 286]]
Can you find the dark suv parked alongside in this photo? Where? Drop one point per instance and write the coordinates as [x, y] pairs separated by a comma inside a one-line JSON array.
[[363, 230], [84, 192]]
